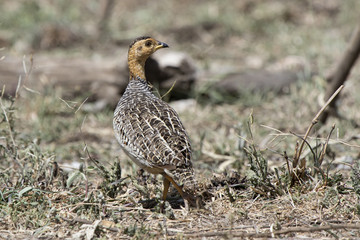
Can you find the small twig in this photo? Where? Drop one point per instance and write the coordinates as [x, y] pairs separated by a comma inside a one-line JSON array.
[[3, 91], [291, 198], [27, 75], [171, 88], [96, 162], [307, 143], [315, 120], [318, 169], [18, 87], [279, 178], [280, 133], [68, 105], [81, 105], [287, 161], [322, 154], [31, 90], [296, 160], [82, 124], [8, 122]]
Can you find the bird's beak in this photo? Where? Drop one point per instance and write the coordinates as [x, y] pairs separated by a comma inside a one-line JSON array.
[[161, 45]]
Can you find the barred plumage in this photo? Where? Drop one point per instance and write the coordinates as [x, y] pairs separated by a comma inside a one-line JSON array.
[[149, 130]]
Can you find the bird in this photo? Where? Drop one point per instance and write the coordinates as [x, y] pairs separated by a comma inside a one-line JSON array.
[[150, 131]]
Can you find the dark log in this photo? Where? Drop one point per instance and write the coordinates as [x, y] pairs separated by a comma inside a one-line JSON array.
[[236, 85], [102, 79], [76, 76], [257, 80]]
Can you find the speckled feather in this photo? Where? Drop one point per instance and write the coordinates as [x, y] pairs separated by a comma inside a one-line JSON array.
[[151, 133]]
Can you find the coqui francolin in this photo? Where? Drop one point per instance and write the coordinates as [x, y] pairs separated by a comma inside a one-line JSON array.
[[150, 131]]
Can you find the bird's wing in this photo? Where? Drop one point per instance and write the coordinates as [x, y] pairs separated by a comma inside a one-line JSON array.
[[158, 135]]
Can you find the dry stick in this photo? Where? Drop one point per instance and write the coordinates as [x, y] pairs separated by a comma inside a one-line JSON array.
[[106, 11], [295, 162], [8, 122], [83, 102], [10, 132], [322, 154], [271, 234], [340, 73], [171, 88], [314, 121], [287, 161], [95, 161], [27, 76], [307, 143]]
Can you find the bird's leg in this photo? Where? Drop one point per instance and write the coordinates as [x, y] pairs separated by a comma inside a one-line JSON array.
[[170, 180], [178, 188], [166, 183], [166, 188]]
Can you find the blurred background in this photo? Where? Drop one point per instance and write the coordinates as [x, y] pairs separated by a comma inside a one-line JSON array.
[[222, 37], [226, 60]]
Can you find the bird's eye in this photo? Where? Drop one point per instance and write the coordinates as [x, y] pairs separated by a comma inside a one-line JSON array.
[[148, 43]]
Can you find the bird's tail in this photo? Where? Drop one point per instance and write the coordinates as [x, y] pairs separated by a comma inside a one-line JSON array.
[[184, 177]]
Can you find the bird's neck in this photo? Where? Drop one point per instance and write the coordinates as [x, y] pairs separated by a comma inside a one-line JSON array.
[[137, 74], [137, 69]]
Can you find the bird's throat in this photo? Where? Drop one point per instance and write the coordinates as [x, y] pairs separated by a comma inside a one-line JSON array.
[[137, 69]]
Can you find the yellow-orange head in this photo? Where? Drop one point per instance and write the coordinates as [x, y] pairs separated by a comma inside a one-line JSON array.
[[139, 51]]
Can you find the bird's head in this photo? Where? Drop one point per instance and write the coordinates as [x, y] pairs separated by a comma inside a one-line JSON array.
[[141, 48]]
